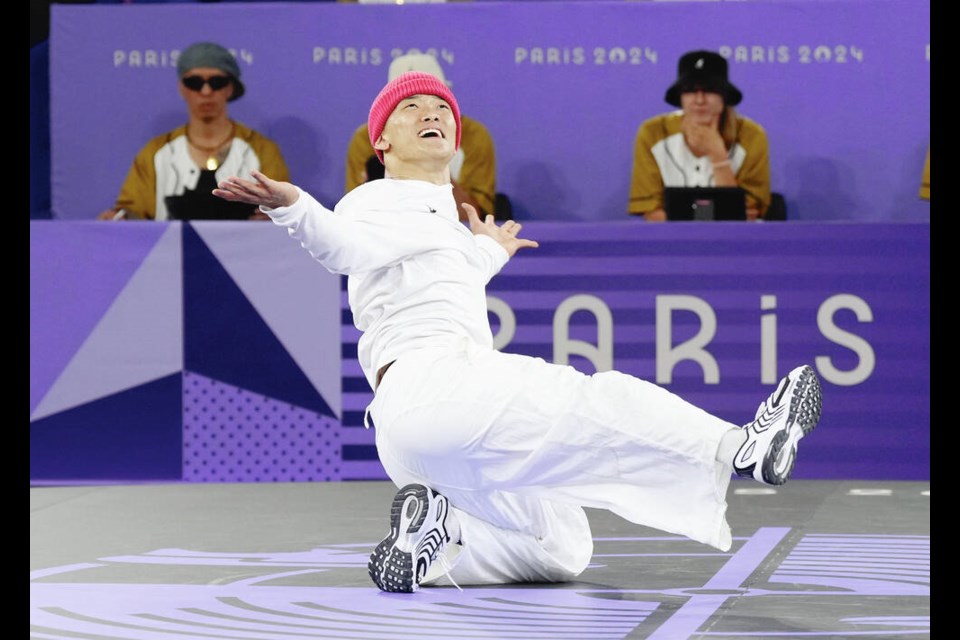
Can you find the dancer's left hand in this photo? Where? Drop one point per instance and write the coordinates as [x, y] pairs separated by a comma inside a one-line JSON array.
[[505, 235]]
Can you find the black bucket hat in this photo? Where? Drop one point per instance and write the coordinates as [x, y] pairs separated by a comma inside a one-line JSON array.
[[211, 54], [703, 70]]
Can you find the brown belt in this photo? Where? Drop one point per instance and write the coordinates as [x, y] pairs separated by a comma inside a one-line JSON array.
[[383, 370]]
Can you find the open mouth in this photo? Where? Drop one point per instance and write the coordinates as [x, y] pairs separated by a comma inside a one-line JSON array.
[[431, 133]]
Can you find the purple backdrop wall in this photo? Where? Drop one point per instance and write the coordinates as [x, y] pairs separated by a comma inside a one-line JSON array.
[[220, 351], [843, 89]]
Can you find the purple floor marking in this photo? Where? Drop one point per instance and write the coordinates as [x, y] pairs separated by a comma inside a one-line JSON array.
[[733, 576], [245, 606]]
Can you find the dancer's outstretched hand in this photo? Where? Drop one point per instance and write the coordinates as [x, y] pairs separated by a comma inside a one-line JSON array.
[[505, 234], [259, 191]]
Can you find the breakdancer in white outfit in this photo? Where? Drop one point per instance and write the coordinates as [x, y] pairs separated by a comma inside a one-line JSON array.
[[494, 478]]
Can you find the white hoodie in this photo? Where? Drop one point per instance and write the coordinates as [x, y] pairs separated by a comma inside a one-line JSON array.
[[417, 276]]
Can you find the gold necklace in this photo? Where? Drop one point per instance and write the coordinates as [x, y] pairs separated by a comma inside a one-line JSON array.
[[214, 155]]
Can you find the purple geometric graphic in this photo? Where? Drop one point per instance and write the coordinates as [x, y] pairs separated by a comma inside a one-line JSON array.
[[850, 299], [90, 308], [234, 435]]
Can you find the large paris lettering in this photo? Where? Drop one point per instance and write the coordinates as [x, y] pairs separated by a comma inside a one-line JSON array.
[[695, 347]]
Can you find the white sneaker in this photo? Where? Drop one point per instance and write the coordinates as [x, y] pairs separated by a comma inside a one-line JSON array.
[[791, 412], [418, 535]]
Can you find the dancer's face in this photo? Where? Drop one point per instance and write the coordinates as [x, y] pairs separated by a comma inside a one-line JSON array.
[[420, 127]]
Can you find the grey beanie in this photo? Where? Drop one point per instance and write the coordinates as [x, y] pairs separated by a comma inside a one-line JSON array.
[[210, 54]]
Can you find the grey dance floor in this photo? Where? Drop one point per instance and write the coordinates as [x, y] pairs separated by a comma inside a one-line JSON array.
[[811, 559]]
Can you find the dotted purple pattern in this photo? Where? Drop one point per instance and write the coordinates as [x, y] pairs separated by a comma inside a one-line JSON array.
[[233, 435]]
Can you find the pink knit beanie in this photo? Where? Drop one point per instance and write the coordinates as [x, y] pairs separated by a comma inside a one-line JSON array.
[[402, 87]]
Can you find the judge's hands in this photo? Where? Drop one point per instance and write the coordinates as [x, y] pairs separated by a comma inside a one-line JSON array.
[[703, 138], [505, 235]]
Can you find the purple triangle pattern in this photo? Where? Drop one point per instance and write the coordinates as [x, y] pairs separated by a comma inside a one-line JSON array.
[[234, 435]]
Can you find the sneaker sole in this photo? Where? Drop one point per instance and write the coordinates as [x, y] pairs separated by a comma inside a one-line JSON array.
[[393, 568], [806, 404]]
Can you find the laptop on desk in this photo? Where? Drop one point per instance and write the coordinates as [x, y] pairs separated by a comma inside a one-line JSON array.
[[207, 207], [705, 203], [201, 204]]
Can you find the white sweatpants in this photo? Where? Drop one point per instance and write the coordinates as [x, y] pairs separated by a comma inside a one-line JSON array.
[[520, 445]]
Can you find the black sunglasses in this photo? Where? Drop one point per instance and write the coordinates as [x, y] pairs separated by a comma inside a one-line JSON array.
[[195, 83]]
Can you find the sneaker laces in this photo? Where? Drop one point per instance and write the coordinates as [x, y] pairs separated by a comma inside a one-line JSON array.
[[446, 567]]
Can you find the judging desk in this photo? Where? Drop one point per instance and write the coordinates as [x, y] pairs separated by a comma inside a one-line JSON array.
[[221, 352]]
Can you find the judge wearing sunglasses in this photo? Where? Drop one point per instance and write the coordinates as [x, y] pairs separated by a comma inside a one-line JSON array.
[[173, 175]]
